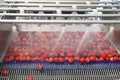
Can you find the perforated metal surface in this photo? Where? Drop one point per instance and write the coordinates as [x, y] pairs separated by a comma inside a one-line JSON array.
[[66, 71]]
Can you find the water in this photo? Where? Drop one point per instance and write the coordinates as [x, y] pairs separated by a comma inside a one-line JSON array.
[[59, 38], [30, 37], [109, 35], [15, 34], [70, 39], [96, 39], [82, 41]]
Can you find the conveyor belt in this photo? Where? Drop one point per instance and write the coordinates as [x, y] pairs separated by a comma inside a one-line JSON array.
[[66, 71]]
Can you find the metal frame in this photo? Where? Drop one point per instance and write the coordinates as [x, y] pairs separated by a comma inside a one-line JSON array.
[[39, 9], [58, 15], [62, 21], [67, 2], [36, 6], [56, 5]]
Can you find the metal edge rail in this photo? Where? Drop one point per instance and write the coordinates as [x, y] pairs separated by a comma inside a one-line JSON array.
[[56, 5], [108, 36], [37, 9], [62, 21], [114, 46], [59, 15], [62, 1], [6, 47]]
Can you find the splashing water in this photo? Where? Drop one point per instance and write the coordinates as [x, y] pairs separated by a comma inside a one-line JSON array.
[[89, 37], [62, 43], [109, 35], [35, 28], [81, 42], [59, 38], [14, 34]]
